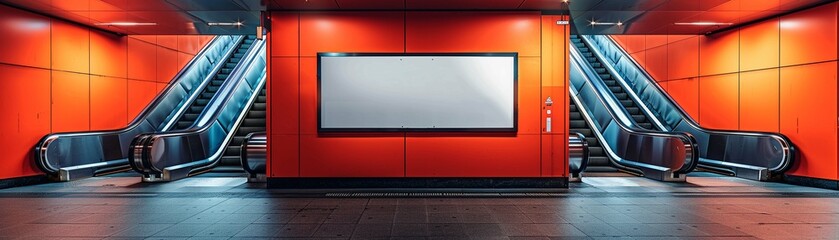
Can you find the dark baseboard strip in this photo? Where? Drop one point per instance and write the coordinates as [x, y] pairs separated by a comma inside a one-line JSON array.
[[23, 181], [443, 183], [812, 182]]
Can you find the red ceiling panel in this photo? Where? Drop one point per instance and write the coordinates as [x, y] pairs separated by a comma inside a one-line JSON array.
[[543, 5], [371, 4], [306, 4], [463, 4]]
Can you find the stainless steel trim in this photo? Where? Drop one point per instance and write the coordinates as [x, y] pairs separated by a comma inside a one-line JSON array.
[[577, 155]]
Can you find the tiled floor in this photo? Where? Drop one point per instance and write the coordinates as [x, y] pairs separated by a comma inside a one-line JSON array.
[[708, 206]]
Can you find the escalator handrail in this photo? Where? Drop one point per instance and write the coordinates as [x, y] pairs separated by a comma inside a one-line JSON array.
[[249, 145], [40, 154], [583, 152], [647, 112], [691, 157], [207, 80], [786, 144], [214, 108]]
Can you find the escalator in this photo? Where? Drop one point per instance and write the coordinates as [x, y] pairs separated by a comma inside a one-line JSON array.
[[76, 155], [615, 140], [612, 84], [254, 122], [598, 161], [752, 155], [235, 110], [197, 106]]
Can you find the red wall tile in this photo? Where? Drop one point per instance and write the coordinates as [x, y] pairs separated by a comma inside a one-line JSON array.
[[70, 101], [25, 94], [759, 100], [808, 117], [718, 101], [285, 34], [683, 58], [379, 156], [473, 32], [108, 103], [473, 156], [719, 53], [686, 93], [107, 54], [140, 93], [809, 36], [759, 45], [357, 31], [70, 47], [656, 63], [142, 60], [26, 38], [167, 64]]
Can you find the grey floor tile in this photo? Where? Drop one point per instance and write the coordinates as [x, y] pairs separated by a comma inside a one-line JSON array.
[[335, 230], [183, 230]]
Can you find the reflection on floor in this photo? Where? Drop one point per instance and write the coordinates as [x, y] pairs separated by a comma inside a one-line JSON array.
[[708, 206]]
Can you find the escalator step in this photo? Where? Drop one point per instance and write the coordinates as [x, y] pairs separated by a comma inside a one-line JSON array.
[[222, 75], [611, 82], [615, 89], [202, 102], [588, 54], [251, 129], [622, 95], [572, 107], [261, 99], [230, 65], [586, 132], [212, 88], [254, 122], [646, 125], [207, 95], [256, 114], [596, 64], [596, 151], [627, 103], [598, 161], [633, 110], [237, 140], [230, 161], [600, 70], [258, 106], [196, 109], [262, 92], [226, 70], [639, 118], [605, 76], [217, 82], [183, 124], [591, 59], [189, 117], [575, 116], [577, 124], [232, 150]]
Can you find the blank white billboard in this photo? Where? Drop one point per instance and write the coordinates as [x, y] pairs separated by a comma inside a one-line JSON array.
[[458, 92]]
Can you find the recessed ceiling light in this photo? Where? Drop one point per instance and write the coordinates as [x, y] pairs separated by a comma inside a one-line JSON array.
[[126, 24], [225, 23], [702, 24], [595, 23]]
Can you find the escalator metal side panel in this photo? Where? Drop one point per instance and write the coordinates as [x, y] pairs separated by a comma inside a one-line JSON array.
[[577, 155]]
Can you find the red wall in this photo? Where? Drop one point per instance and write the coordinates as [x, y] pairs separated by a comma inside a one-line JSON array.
[[297, 150], [57, 76], [777, 75]]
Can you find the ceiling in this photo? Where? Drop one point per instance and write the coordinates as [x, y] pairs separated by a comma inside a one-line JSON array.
[[194, 16], [675, 16]]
